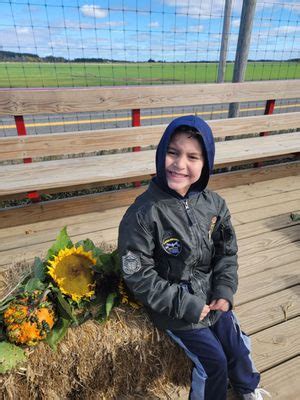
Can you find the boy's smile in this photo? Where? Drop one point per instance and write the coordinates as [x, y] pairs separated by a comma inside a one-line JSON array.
[[184, 162]]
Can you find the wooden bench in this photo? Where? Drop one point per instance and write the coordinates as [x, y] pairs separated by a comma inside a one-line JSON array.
[[260, 199], [85, 170]]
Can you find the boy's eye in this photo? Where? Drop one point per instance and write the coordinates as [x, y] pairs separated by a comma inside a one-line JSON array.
[[172, 152], [195, 157]]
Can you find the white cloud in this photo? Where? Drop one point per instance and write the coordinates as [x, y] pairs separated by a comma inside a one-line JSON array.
[[154, 24], [284, 30], [23, 31], [202, 9], [196, 28], [93, 11]]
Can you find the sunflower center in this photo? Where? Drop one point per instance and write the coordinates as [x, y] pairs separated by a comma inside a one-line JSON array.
[[75, 274]]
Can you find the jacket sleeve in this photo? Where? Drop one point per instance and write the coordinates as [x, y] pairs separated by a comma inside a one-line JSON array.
[[224, 263], [136, 248]]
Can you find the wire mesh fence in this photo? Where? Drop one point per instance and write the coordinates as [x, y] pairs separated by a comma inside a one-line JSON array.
[[78, 43], [64, 43]]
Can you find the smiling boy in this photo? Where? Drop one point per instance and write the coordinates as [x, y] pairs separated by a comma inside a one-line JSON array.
[[179, 258]]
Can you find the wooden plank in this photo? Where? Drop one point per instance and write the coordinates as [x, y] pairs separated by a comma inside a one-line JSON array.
[[267, 259], [268, 240], [19, 147], [266, 201], [130, 166], [65, 100], [268, 282], [266, 225], [276, 345], [47, 232], [245, 217], [259, 189], [93, 221], [67, 207], [253, 175], [268, 311], [281, 382], [28, 253]]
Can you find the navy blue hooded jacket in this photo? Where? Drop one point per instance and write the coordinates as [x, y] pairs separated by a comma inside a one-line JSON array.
[[179, 253]]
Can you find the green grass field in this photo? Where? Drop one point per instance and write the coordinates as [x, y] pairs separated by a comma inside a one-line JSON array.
[[73, 74]]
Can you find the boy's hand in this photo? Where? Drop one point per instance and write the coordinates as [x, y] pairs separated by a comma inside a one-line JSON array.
[[220, 304], [204, 312]]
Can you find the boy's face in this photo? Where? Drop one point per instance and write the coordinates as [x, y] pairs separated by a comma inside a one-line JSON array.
[[184, 162]]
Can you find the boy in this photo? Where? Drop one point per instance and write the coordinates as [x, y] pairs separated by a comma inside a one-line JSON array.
[[178, 251]]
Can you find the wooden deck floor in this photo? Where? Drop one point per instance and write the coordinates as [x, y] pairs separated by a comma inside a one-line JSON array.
[[268, 300]]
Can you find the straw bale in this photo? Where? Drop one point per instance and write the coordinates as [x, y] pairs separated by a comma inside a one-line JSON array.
[[125, 358]]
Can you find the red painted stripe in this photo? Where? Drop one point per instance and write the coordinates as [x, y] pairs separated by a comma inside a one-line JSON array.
[[21, 130], [136, 121]]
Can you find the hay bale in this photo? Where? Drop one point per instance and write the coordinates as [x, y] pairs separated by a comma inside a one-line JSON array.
[[124, 358]]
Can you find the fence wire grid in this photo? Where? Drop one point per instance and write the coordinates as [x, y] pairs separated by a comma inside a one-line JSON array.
[[64, 43], [109, 42]]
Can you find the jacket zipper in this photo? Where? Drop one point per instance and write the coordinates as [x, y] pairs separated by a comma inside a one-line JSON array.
[[188, 211], [192, 220]]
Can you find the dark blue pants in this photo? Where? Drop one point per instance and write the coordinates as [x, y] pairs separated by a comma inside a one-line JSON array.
[[219, 353]]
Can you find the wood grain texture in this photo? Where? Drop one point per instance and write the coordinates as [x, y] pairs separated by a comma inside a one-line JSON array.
[[260, 189], [116, 168], [268, 282], [281, 382], [273, 257], [67, 207], [276, 345], [19, 147], [65, 100], [269, 240], [269, 311]]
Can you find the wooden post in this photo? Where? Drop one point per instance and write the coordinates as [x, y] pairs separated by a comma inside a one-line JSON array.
[[136, 121], [224, 42], [21, 130], [243, 45]]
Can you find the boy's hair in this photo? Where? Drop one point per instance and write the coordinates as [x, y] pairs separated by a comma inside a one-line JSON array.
[[192, 132]]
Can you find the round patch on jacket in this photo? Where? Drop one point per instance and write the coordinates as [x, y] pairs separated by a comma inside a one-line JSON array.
[[131, 263], [172, 246]]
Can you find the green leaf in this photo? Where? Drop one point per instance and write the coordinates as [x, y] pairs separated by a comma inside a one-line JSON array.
[[295, 217], [110, 303], [39, 269], [110, 263], [5, 303], [58, 333], [63, 240], [88, 245], [10, 356], [34, 284], [64, 307]]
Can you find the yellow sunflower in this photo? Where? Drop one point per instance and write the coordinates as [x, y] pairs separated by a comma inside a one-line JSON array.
[[126, 296], [72, 271]]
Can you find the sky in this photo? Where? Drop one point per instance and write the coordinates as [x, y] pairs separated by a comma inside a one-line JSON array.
[[137, 30]]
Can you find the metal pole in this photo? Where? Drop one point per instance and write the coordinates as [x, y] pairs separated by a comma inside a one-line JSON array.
[[242, 50], [224, 42]]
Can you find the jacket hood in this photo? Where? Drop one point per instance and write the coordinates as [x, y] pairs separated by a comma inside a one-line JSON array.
[[208, 147]]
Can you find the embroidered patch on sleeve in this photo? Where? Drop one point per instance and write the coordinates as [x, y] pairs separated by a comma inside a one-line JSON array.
[[131, 263]]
